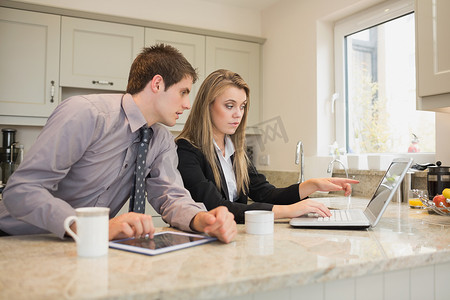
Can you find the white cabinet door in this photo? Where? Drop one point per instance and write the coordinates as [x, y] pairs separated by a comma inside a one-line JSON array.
[[433, 48], [192, 46], [29, 63], [98, 55], [242, 58]]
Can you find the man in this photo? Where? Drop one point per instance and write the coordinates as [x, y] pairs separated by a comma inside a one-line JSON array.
[[86, 155]]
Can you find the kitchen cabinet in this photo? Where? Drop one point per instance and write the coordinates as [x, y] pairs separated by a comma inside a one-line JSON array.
[[240, 57], [97, 54], [47, 55], [192, 46], [433, 54], [29, 66]]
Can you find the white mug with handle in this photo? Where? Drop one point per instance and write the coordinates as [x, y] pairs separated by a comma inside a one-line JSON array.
[[92, 235]]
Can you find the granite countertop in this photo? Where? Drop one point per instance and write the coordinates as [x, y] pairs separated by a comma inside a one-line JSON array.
[[44, 267]]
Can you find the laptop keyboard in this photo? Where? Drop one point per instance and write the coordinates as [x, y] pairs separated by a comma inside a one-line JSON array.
[[337, 215]]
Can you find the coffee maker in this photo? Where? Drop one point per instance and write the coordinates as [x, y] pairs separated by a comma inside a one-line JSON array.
[[438, 179], [9, 154]]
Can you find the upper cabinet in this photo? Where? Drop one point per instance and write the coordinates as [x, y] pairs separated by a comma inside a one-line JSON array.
[[96, 54], [45, 58], [192, 46], [242, 58], [29, 65], [433, 54]]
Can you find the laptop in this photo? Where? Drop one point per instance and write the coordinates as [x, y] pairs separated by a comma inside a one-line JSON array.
[[371, 215]]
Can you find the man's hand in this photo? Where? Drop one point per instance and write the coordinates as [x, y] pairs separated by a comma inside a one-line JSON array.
[[131, 224], [218, 222]]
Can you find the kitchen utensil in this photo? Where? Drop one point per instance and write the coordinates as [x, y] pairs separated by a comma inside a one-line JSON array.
[[8, 153], [438, 179], [422, 167]]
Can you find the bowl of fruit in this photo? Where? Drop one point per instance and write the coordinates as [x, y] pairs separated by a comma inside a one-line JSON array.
[[440, 203]]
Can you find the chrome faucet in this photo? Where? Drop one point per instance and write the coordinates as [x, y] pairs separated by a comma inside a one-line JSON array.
[[300, 159], [331, 165]]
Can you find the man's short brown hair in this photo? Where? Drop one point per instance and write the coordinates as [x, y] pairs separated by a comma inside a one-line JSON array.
[[159, 59]]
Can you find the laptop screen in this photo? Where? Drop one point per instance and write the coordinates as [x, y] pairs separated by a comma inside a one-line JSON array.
[[386, 189]]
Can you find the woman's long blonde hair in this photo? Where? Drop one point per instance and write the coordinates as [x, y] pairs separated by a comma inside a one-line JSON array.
[[198, 127]]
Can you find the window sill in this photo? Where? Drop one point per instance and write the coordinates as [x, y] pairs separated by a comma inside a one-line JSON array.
[[381, 161]]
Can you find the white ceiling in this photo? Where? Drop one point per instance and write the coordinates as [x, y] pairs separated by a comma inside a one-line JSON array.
[[251, 4]]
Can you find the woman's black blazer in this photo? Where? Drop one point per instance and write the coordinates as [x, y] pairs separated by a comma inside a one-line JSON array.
[[198, 178]]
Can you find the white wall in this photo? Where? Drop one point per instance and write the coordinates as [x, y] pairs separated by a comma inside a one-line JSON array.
[[299, 78]]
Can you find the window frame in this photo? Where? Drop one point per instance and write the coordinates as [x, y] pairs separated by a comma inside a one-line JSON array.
[[365, 19]]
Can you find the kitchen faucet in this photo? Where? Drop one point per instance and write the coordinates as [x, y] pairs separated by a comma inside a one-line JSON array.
[[330, 170], [331, 165], [299, 156]]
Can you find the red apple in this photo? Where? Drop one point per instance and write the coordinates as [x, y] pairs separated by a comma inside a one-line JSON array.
[[440, 201]]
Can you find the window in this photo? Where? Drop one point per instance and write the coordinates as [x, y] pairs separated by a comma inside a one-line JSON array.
[[375, 64]]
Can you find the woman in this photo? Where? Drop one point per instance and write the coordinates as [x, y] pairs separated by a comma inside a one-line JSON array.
[[214, 164]]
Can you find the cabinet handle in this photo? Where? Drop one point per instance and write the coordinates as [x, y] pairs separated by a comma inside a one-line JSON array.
[[102, 82], [52, 91]]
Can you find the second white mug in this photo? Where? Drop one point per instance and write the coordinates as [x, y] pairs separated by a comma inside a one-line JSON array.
[[259, 221]]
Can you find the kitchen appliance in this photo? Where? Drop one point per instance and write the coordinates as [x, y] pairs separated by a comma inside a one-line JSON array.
[[438, 179], [9, 153]]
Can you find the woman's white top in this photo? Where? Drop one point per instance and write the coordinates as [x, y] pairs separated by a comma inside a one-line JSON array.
[[227, 167]]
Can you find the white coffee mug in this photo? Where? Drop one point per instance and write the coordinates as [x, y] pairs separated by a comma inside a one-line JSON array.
[[92, 230], [259, 221]]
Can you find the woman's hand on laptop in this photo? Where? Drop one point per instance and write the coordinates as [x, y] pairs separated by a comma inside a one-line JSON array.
[[330, 184], [300, 208]]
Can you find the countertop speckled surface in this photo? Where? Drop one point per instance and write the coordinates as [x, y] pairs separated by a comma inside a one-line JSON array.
[[45, 267]]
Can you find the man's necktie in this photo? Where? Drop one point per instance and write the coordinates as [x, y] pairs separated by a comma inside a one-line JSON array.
[[137, 197]]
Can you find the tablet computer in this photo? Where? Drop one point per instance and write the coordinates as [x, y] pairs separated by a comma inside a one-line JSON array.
[[162, 242]]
